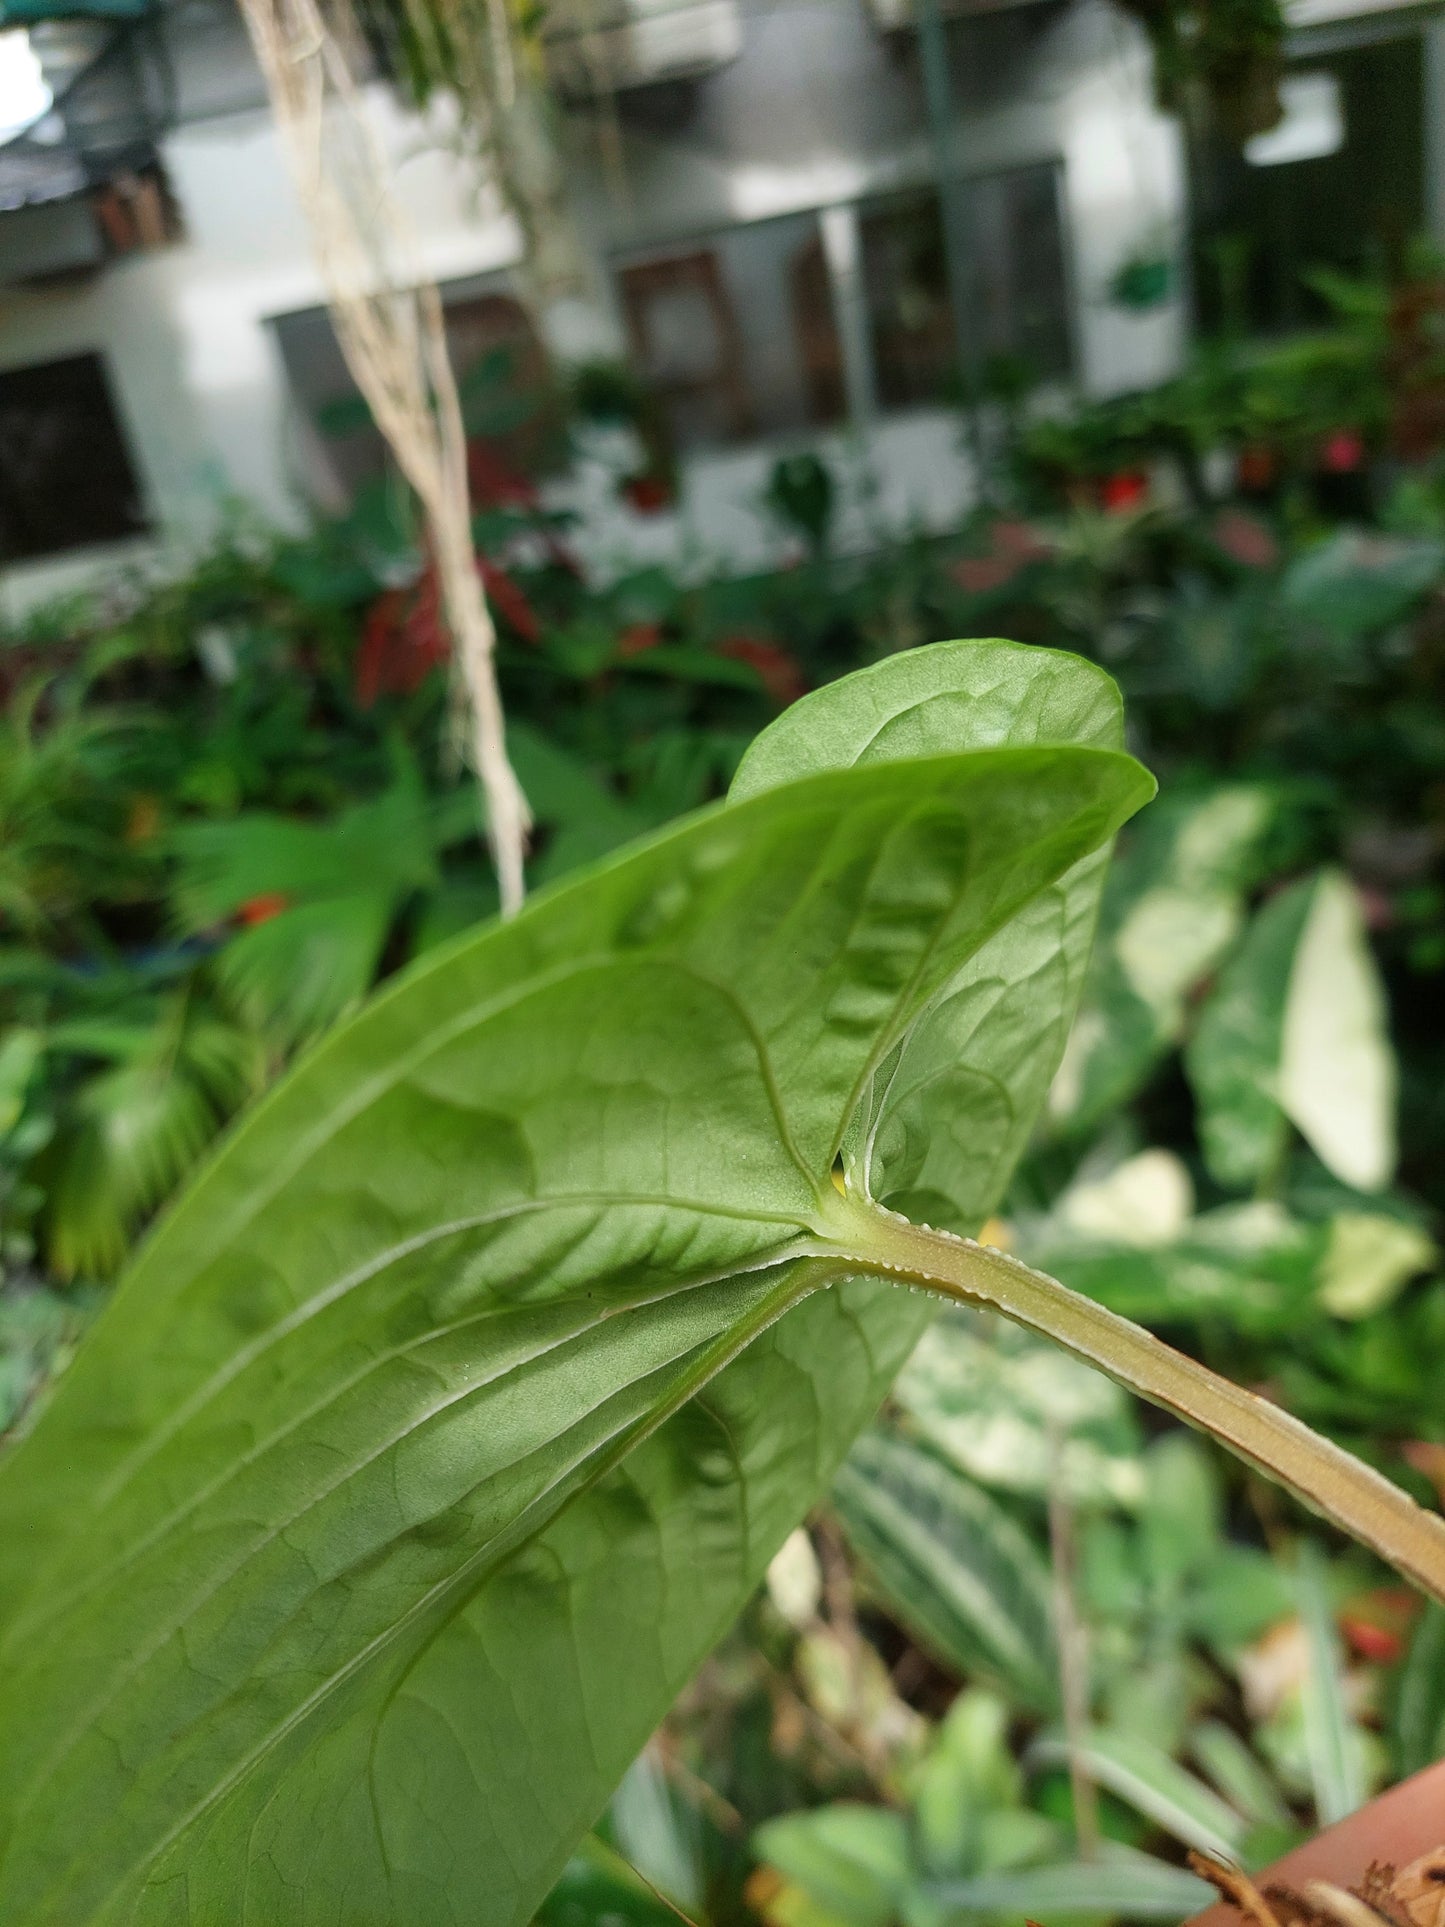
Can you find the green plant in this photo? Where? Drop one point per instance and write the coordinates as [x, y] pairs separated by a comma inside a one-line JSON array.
[[802, 494], [1226, 53], [112, 1084], [314, 903], [565, 1267], [62, 855], [968, 1845]]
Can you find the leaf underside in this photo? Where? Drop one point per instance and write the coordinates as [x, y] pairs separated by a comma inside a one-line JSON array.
[[457, 1408]]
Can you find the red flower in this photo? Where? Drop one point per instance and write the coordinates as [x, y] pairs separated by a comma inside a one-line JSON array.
[[778, 672], [508, 601], [1124, 491], [1372, 1642], [1343, 452], [1376, 1623], [494, 482], [637, 638], [263, 908], [648, 494], [1245, 540]]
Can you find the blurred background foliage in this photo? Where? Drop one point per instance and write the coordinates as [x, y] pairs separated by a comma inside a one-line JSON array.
[[1038, 1643]]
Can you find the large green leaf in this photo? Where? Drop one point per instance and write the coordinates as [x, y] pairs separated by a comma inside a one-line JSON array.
[[457, 1408], [1295, 1032], [1173, 906], [948, 1109], [1013, 1412], [1144, 1776]]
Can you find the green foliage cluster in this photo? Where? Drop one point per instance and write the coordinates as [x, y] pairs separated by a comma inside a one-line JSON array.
[[230, 810], [526, 1299], [1369, 371]]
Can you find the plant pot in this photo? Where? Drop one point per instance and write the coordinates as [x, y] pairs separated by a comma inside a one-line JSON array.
[[1399, 1828]]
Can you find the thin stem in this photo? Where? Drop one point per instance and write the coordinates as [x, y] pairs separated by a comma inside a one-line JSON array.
[[390, 327], [1329, 1480], [1073, 1650]]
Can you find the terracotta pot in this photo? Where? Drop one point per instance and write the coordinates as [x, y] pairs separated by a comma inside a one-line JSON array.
[[1394, 1830]]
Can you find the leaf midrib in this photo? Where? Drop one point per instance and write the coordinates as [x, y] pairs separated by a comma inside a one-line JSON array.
[[54, 1607], [313, 1307], [824, 1267], [197, 1603]]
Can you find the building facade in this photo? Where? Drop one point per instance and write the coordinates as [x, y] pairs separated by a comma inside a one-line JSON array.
[[757, 196]]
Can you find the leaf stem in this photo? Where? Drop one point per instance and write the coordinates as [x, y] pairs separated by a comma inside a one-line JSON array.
[[1326, 1478], [1072, 1639]]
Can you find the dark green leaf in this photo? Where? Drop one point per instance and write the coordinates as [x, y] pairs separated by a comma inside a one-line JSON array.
[[1120, 1881], [1355, 584], [959, 1572], [853, 1861], [1234, 1055], [1332, 1740], [1420, 1698]]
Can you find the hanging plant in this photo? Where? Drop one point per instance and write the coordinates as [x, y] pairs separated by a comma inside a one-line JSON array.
[[1223, 58], [1144, 281]]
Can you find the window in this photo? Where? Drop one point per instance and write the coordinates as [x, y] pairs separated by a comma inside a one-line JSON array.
[[502, 378], [1352, 204], [66, 479], [905, 285], [1017, 293], [735, 334]]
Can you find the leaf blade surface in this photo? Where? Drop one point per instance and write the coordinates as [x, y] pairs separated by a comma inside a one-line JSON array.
[[456, 1410]]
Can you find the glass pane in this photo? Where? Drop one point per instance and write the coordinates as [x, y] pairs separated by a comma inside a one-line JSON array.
[[1353, 206], [905, 284], [736, 334], [502, 376], [66, 478], [1017, 293]]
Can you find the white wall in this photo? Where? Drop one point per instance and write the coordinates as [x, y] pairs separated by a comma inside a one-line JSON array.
[[1124, 185], [818, 109]]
